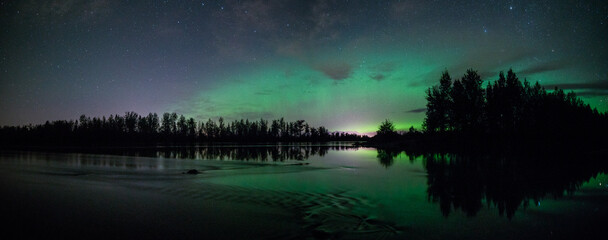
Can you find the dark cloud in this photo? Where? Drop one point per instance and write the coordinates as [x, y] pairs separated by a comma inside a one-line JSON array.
[[336, 71], [592, 93], [485, 74], [417, 110], [576, 86], [382, 71], [385, 67], [378, 77], [545, 67]]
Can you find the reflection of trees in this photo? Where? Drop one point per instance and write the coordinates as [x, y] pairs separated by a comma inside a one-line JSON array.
[[151, 157], [259, 154], [465, 182], [468, 182], [253, 153], [387, 156], [267, 153]]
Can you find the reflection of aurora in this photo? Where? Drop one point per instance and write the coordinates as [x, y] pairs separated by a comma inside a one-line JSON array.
[[466, 183], [456, 182]]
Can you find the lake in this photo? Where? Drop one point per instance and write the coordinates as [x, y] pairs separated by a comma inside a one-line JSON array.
[[301, 191]]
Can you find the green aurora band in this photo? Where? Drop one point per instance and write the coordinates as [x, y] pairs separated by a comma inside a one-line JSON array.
[[381, 85]]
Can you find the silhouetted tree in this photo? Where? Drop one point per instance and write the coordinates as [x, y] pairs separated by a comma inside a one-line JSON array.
[[263, 129], [439, 105], [471, 101], [509, 109], [166, 124], [182, 127], [191, 128], [131, 121], [386, 128], [222, 132]]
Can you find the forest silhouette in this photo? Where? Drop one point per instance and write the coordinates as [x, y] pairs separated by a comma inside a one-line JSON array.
[[133, 129], [508, 113]]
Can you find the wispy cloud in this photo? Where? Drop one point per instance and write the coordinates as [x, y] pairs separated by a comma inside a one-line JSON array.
[[579, 86], [385, 67], [417, 110], [378, 77], [545, 67], [592, 93], [336, 71], [382, 70]]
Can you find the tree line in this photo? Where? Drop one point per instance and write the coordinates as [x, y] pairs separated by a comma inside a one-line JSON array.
[[506, 113], [132, 128], [509, 109], [505, 106]]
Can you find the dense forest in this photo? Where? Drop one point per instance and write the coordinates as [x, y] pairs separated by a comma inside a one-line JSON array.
[[505, 107], [168, 129], [507, 112]]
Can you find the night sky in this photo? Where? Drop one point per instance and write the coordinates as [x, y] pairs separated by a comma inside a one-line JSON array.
[[346, 65]]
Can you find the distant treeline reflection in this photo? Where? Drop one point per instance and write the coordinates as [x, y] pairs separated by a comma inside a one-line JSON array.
[[251, 153], [468, 182]]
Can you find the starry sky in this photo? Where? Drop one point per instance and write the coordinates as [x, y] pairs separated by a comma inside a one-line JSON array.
[[346, 65]]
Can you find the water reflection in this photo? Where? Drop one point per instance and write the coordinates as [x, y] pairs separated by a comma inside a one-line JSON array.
[[456, 182], [155, 156], [274, 153], [387, 156], [468, 182]]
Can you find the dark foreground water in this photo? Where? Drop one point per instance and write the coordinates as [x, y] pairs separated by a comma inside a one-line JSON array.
[[300, 192]]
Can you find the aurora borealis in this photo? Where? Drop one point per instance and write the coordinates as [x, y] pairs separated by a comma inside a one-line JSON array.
[[346, 65]]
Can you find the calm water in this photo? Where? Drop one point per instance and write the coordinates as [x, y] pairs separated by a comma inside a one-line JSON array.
[[300, 192]]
